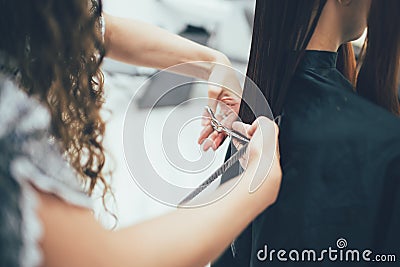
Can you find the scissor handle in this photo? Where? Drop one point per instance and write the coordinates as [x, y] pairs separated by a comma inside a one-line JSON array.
[[219, 127]]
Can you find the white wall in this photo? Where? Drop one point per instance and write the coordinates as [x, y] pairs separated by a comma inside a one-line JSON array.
[[224, 19]]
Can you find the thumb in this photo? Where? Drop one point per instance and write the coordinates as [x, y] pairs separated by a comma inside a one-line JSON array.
[[241, 128]]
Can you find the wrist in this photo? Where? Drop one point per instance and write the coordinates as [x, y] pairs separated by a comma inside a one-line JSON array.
[[225, 74], [222, 59]]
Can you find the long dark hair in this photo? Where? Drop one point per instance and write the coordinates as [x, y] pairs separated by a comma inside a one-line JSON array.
[[58, 48], [281, 33], [379, 75]]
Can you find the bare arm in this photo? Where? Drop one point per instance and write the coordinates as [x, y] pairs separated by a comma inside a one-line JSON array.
[[142, 44], [190, 237]]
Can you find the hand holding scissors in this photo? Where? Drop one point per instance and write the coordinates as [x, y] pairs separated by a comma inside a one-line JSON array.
[[220, 128]]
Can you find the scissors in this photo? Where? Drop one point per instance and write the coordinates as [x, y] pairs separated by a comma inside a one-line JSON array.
[[219, 127]]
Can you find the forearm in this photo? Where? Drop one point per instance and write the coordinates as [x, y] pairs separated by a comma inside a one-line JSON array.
[[139, 43], [187, 238], [191, 237]]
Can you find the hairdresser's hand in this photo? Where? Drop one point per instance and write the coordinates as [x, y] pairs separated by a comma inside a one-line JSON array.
[[224, 100], [262, 155], [263, 174]]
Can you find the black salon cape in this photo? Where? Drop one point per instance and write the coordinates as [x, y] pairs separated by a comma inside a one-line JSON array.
[[340, 156]]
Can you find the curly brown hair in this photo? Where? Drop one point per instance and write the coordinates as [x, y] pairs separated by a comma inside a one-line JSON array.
[[58, 49]]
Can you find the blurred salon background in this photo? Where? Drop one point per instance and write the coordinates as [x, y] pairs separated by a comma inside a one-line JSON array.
[[225, 25]]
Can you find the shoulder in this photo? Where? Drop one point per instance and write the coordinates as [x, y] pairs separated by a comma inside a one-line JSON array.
[[16, 121], [30, 159], [33, 155], [323, 107], [20, 114]]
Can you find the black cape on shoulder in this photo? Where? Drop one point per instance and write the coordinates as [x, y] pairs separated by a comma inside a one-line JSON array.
[[340, 156]]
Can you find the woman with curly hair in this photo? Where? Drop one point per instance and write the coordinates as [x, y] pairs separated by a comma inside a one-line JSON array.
[[52, 156]]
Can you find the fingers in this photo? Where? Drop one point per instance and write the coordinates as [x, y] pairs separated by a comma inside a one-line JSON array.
[[213, 95], [253, 128], [263, 123], [232, 102], [246, 129], [263, 134], [205, 133], [216, 138], [269, 130], [211, 144], [205, 120], [219, 140], [227, 114], [213, 136], [214, 141], [241, 128], [249, 130]]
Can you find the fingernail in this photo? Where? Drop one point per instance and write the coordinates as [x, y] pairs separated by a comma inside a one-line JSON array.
[[206, 146], [214, 146]]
